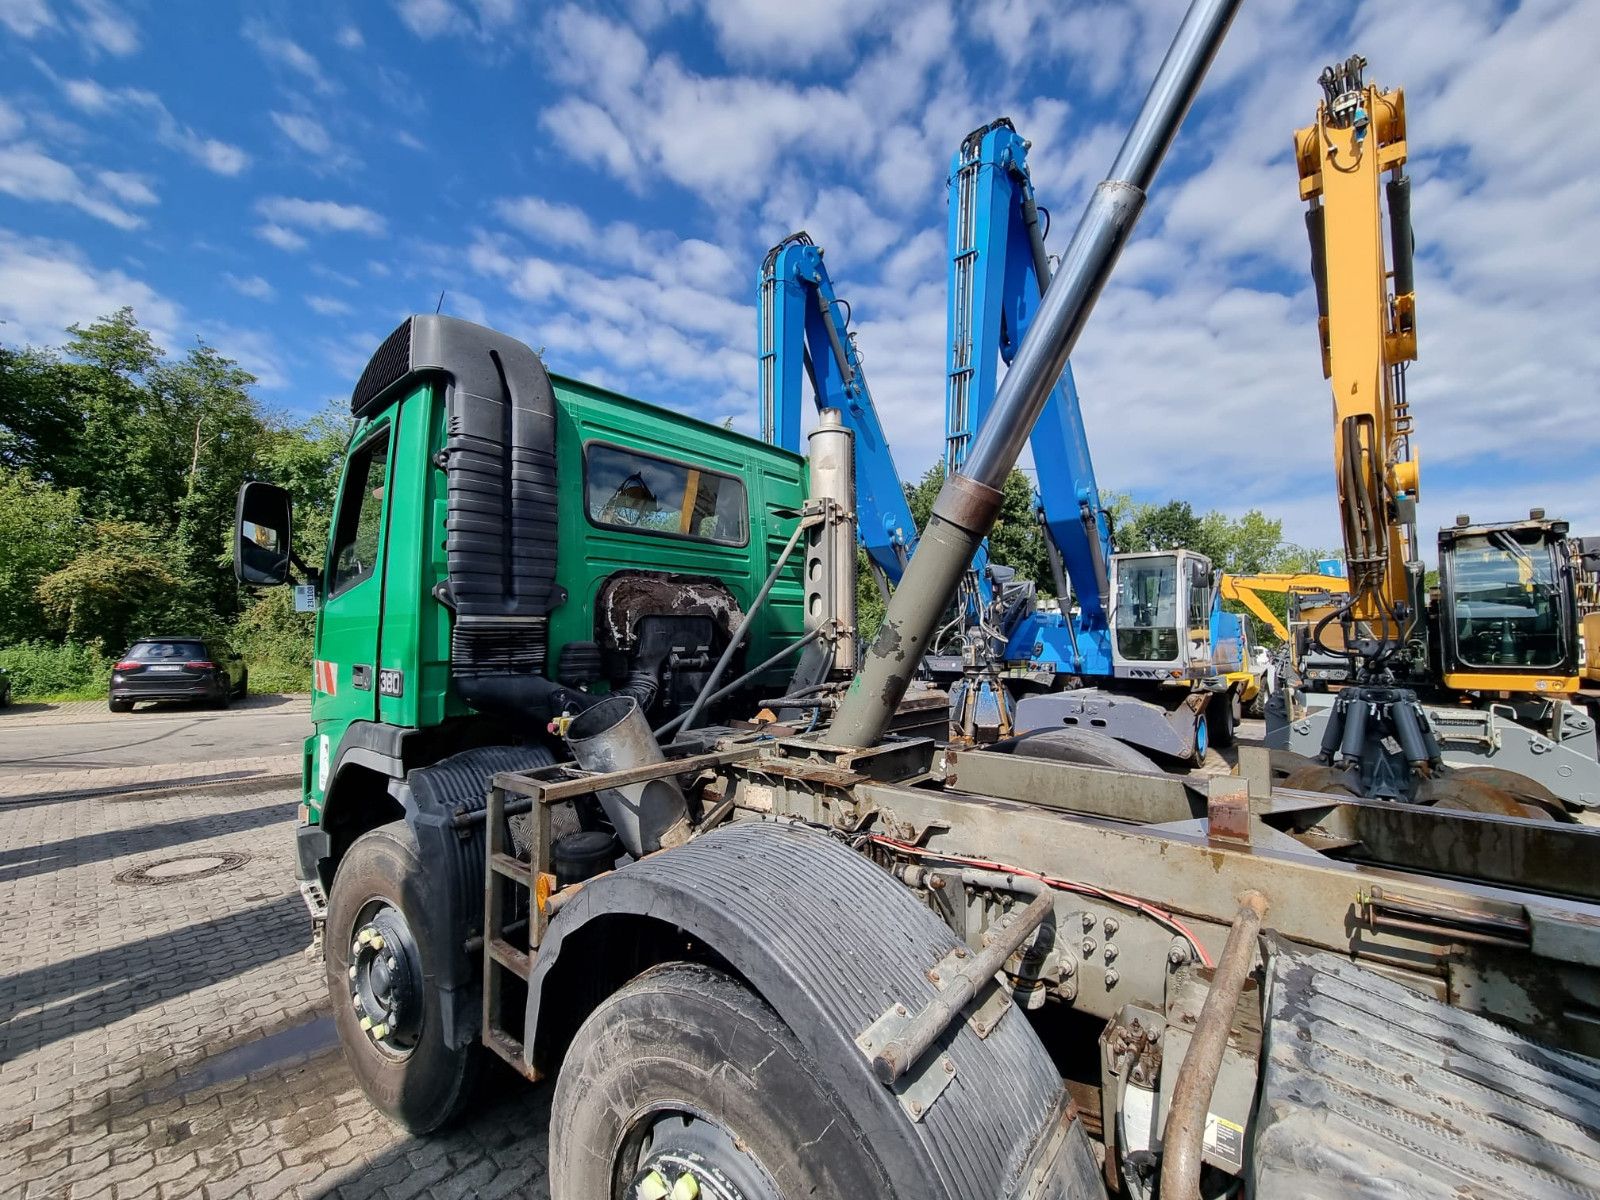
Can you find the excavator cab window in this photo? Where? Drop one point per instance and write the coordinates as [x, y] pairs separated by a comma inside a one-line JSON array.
[[1147, 608], [1200, 586], [1505, 601]]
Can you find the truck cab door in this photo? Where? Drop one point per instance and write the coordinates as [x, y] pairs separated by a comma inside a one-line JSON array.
[[344, 674]]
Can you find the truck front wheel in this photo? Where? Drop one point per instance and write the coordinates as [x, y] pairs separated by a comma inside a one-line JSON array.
[[381, 949], [685, 1074]]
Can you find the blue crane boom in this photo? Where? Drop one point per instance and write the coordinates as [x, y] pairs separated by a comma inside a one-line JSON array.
[[1165, 638], [802, 340], [997, 274]]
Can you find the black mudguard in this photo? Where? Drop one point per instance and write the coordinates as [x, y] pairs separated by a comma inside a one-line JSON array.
[[432, 797], [831, 941]]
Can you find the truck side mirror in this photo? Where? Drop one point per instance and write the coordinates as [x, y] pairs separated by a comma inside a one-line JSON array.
[[263, 526]]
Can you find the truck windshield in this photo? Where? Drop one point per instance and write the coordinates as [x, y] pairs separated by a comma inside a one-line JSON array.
[[653, 495], [1147, 609], [1507, 613]]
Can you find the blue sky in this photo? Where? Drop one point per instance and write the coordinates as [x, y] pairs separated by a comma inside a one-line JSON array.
[[289, 180]]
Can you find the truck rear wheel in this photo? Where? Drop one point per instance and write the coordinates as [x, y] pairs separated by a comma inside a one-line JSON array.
[[685, 1073], [381, 947]]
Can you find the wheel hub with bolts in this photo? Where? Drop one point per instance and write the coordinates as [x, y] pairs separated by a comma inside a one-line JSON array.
[[688, 1157], [386, 980]]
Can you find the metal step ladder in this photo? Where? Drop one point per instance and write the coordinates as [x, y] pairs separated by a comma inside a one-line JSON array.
[[504, 959]]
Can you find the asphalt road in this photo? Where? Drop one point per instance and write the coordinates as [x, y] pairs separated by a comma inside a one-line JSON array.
[[36, 739]]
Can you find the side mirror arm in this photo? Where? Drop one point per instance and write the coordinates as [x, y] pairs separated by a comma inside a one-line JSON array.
[[313, 574]]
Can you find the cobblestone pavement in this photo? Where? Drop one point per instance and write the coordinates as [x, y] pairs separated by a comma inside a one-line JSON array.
[[171, 1039]]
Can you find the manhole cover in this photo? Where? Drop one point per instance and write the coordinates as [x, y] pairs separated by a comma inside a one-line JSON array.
[[183, 868]]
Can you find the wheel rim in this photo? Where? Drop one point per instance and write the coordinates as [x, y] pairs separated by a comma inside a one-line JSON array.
[[671, 1153], [385, 978]]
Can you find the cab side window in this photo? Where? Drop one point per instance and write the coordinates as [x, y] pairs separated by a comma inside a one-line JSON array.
[[359, 532], [630, 490]]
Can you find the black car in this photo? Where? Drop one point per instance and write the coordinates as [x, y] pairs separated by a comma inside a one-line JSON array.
[[5, 687], [178, 668]]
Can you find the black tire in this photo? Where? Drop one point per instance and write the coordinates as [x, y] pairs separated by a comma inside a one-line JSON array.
[[224, 696], [120, 706], [1087, 747], [1256, 710], [1219, 721], [426, 1083], [684, 1038]]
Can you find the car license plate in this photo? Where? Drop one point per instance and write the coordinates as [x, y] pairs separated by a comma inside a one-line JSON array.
[[166, 668]]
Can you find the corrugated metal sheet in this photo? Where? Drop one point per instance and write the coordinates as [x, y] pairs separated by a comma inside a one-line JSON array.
[[1370, 1089]]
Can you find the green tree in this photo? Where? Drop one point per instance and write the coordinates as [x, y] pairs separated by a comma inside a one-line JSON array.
[[39, 534], [110, 589], [38, 422], [205, 400], [1169, 526], [1016, 539]]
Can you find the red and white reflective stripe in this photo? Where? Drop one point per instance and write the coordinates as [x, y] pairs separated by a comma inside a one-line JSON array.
[[325, 677]]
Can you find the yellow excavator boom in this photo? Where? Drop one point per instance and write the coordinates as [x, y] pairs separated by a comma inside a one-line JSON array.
[[1367, 321], [1247, 590]]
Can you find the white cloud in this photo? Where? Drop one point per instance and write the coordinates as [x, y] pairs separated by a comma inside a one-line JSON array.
[[220, 157], [588, 133], [349, 36], [46, 286], [282, 238], [253, 349], [88, 96], [718, 135], [104, 28], [562, 224], [27, 173], [252, 286], [306, 132], [128, 187], [312, 136], [789, 33], [328, 306], [487, 20], [26, 18], [10, 121], [498, 12], [321, 216], [290, 55], [840, 219], [662, 255], [429, 18]]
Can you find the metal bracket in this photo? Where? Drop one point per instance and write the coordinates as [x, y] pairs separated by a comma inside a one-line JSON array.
[[921, 1085]]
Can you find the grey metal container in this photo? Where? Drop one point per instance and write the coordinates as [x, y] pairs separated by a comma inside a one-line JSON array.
[[614, 736]]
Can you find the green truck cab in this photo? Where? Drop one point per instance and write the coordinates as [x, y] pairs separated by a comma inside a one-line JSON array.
[[505, 545]]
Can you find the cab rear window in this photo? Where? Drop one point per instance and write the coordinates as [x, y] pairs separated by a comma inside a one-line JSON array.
[[628, 490]]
